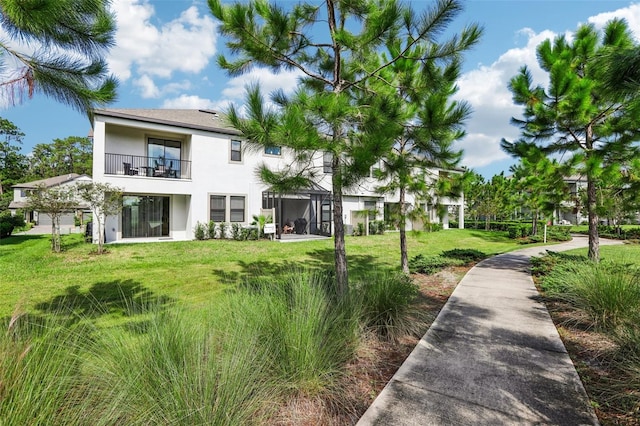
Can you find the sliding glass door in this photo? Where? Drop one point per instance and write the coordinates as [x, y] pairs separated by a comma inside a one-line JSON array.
[[145, 216], [164, 154]]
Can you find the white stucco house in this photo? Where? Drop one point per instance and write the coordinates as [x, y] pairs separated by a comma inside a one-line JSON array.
[[21, 192], [181, 167]]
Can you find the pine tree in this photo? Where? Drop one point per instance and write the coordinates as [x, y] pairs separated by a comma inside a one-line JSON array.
[[56, 47], [576, 116], [336, 46]]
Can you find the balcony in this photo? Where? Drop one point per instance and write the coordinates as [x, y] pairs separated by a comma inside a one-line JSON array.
[[153, 167]]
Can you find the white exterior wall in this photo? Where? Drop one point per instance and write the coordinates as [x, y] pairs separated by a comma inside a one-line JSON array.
[[212, 173]]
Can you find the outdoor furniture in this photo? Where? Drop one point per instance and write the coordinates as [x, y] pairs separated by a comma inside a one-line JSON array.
[[128, 170], [300, 225]]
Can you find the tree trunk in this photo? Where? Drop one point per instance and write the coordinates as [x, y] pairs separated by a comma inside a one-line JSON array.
[[594, 238], [404, 257], [340, 252], [100, 234]]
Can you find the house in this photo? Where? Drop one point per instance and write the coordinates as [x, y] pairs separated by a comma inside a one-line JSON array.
[[21, 192], [181, 167], [569, 211]]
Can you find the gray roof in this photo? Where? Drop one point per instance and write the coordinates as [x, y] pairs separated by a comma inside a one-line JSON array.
[[48, 183], [196, 119]]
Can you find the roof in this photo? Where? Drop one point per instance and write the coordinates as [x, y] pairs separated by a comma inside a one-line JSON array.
[[49, 182], [195, 119]]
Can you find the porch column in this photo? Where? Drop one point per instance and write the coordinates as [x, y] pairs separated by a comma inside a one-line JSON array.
[[461, 216], [445, 219]]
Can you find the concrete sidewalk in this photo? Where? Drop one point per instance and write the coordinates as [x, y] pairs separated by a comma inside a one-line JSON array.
[[492, 356]]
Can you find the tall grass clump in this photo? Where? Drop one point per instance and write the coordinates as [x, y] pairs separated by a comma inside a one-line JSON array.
[[177, 368], [39, 366], [308, 333], [386, 304], [608, 292]]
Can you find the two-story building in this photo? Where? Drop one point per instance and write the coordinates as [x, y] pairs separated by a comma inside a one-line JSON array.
[[21, 193], [178, 168]]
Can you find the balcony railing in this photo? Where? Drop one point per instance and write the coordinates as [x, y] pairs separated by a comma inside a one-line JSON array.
[[137, 165]]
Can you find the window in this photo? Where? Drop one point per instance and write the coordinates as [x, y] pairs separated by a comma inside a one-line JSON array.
[[164, 153], [227, 208], [272, 150], [218, 208], [371, 206], [236, 209], [236, 151], [327, 162]]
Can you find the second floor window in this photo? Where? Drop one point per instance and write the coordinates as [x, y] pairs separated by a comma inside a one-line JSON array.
[[272, 150], [327, 162], [236, 151]]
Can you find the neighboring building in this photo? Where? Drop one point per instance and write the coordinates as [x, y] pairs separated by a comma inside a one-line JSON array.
[[21, 192], [178, 168], [570, 211]]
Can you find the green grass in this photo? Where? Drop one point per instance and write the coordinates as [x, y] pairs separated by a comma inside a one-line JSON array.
[[193, 272]]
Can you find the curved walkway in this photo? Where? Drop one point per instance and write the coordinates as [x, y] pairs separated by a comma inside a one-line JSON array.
[[492, 356]]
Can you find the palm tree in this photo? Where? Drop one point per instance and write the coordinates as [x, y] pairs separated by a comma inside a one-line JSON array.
[[56, 47]]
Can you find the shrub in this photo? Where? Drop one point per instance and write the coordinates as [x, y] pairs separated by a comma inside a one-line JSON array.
[[310, 334], [211, 230], [200, 231], [430, 264], [9, 222], [608, 292], [236, 232], [359, 229], [465, 255], [387, 305], [180, 368]]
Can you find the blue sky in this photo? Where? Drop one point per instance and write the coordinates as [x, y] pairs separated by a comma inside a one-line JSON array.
[[165, 58]]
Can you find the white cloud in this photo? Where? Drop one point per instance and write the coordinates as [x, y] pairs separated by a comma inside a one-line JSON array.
[[269, 81], [190, 102], [487, 90], [184, 44], [150, 90], [631, 14], [147, 87], [480, 150]]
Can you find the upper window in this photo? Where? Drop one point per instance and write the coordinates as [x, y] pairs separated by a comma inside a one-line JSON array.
[[327, 162], [236, 151], [272, 150]]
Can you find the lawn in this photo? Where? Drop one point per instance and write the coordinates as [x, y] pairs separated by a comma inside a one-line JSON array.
[[194, 272]]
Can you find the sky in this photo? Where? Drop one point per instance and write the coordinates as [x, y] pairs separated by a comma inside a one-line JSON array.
[[165, 57]]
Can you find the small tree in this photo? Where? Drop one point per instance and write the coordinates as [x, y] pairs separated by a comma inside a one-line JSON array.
[[54, 202], [104, 200]]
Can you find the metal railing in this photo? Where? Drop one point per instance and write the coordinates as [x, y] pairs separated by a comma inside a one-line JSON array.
[[138, 165]]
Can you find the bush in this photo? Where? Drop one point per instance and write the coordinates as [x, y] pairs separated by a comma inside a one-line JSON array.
[[430, 264], [465, 255], [9, 222], [608, 292], [200, 231], [387, 305], [310, 334], [211, 230], [181, 369], [519, 230]]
